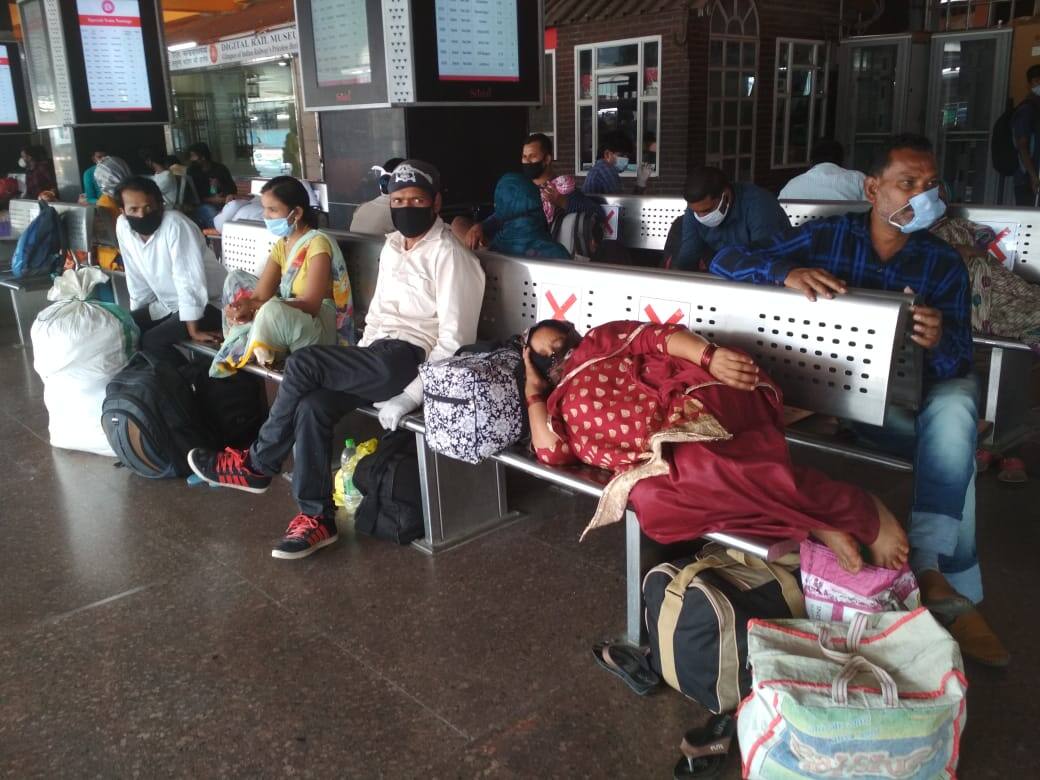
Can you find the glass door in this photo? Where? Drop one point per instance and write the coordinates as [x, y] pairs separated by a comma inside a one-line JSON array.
[[968, 82]]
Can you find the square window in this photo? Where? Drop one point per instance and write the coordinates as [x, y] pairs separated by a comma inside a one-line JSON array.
[[748, 59], [732, 54], [730, 114], [617, 56]]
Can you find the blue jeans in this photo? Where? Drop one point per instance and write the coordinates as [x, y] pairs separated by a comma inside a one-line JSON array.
[[941, 439], [204, 215]]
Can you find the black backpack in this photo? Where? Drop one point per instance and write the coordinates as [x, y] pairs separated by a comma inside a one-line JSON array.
[[152, 419], [580, 232], [233, 407], [388, 480]]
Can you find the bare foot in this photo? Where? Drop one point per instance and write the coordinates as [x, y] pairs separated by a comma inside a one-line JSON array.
[[891, 548], [842, 545]]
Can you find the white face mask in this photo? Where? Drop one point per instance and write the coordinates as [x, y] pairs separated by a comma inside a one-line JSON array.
[[714, 218], [22, 163], [621, 163], [1036, 90]]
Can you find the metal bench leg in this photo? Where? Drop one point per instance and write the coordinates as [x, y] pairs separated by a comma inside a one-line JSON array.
[[460, 501], [633, 580], [1007, 396], [17, 317]]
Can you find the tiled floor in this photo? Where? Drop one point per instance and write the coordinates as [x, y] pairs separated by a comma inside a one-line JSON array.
[[146, 631]]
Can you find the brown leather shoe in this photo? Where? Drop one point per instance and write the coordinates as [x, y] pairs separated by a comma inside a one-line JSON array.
[[977, 640], [964, 622]]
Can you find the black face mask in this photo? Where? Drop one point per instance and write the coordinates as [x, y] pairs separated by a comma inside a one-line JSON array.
[[146, 225], [413, 221], [532, 170]]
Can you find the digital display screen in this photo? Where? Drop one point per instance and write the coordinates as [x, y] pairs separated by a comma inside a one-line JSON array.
[[341, 49], [477, 40], [8, 108], [113, 53], [472, 52], [41, 66], [342, 54]]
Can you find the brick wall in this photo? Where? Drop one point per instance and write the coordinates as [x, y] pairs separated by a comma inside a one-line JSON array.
[[684, 84], [674, 87]]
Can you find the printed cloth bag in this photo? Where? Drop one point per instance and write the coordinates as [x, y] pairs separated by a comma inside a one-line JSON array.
[[883, 697], [471, 404], [831, 593]]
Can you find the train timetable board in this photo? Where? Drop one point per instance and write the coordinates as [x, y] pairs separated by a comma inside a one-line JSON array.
[[14, 106], [111, 49], [371, 53]]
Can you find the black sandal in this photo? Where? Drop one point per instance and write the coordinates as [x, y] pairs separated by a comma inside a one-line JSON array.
[[629, 663], [704, 749]]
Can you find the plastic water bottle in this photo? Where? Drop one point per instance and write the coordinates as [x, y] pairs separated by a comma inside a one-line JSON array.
[[351, 497]]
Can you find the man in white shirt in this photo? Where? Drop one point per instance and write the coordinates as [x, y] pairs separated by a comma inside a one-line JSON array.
[[373, 217], [172, 276], [425, 306], [827, 179]]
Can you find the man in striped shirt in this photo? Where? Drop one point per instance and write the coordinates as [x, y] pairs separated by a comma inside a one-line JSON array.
[[890, 248]]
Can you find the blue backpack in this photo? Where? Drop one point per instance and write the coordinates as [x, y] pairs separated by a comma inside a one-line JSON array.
[[41, 248]]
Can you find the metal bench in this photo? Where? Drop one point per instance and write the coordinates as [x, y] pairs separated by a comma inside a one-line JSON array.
[[78, 221], [644, 224], [854, 380]]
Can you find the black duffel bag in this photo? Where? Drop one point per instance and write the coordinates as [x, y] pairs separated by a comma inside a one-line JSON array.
[[388, 480], [697, 610]]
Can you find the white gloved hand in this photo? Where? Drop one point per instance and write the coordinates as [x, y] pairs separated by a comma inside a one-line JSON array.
[[643, 175], [391, 411]]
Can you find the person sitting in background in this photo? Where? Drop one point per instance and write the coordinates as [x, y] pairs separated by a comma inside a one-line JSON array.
[[40, 181], [826, 179], [109, 173], [213, 183], [426, 305], [890, 248], [91, 191], [159, 164], [559, 194], [523, 231], [250, 208], [373, 217], [612, 159], [303, 295], [720, 214], [171, 274], [695, 434]]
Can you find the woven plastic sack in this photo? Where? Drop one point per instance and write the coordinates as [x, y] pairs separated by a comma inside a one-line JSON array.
[[881, 697]]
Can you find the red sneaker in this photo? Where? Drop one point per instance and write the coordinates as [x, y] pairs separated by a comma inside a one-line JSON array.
[[305, 535], [229, 468]]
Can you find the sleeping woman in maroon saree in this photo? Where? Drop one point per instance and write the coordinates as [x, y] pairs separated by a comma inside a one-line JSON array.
[[695, 438]]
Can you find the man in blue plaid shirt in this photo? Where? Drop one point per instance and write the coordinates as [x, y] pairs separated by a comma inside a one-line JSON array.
[[890, 248]]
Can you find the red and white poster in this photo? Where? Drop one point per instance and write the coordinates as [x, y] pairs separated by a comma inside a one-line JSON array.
[[661, 311], [8, 109], [113, 51], [612, 225], [1005, 247], [559, 303]]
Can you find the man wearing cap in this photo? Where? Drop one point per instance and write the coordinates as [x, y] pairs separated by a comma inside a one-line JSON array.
[[426, 305]]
